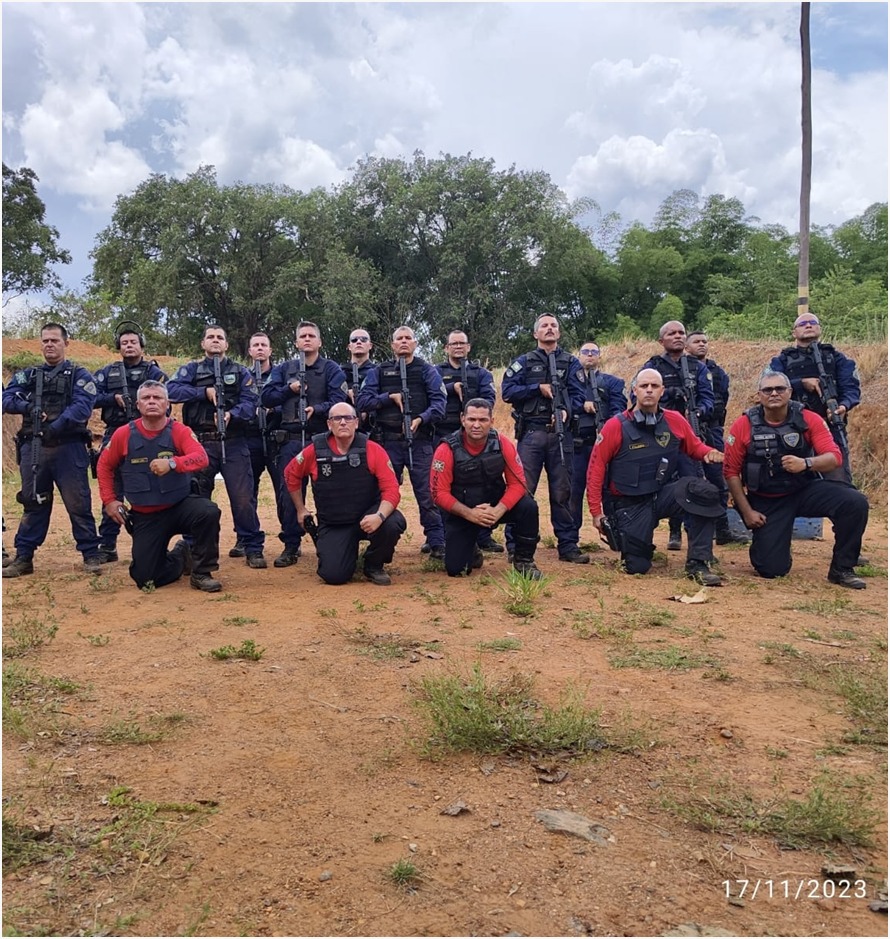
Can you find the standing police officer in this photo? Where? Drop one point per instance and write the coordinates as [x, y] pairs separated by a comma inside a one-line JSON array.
[[258, 429], [116, 386], [635, 458], [356, 497], [674, 365], [381, 396], [55, 400], [194, 386], [301, 412], [697, 347], [529, 386], [357, 368], [156, 457], [812, 386], [479, 384], [604, 398]]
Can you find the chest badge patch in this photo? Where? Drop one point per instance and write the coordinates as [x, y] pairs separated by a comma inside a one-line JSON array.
[[354, 460], [663, 439], [791, 440], [326, 469]]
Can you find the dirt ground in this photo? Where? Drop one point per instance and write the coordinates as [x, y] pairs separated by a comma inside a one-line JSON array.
[[279, 793]]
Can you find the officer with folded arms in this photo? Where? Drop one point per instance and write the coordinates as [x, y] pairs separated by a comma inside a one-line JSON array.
[[156, 457]]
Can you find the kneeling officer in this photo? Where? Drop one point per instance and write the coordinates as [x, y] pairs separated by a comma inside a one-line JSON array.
[[636, 458], [356, 494], [157, 457]]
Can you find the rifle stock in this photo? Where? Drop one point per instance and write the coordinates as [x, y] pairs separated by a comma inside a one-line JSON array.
[[692, 405], [828, 395], [37, 439]]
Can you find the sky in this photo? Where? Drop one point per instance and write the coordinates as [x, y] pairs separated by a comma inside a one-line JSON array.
[[622, 103]]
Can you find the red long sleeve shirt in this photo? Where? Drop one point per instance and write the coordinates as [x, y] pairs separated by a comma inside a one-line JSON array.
[[305, 464], [442, 472], [190, 457], [817, 435], [609, 443]]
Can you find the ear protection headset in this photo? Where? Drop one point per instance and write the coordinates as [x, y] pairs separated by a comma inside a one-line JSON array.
[[121, 330], [641, 418]]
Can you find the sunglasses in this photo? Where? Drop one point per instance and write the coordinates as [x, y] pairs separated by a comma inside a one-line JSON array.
[[806, 323], [774, 390], [359, 338], [342, 419], [590, 352]]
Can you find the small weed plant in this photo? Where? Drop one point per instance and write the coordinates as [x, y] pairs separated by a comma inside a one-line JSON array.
[[670, 658], [405, 874], [29, 633], [522, 592], [248, 650], [471, 713], [506, 644]]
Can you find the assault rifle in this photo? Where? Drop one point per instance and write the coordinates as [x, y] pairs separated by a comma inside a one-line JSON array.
[[692, 412], [406, 410], [261, 416], [356, 383], [829, 397], [556, 389], [465, 396], [220, 407], [301, 406], [37, 439]]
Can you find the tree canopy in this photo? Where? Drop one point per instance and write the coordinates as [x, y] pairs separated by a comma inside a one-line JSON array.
[[29, 244]]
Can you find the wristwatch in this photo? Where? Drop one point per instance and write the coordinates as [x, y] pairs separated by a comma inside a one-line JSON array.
[[382, 516], [808, 462], [171, 463]]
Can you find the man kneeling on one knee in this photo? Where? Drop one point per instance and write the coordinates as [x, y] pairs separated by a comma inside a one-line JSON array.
[[775, 455], [478, 482], [356, 493], [632, 467]]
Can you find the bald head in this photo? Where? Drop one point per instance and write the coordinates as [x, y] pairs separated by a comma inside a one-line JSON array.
[[648, 387]]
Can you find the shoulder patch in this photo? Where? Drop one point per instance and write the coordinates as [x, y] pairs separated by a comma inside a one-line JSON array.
[[599, 439], [20, 378], [730, 439], [439, 466], [89, 387], [181, 373], [194, 437], [100, 377], [299, 457]]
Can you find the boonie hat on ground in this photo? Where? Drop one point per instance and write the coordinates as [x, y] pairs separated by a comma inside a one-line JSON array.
[[699, 497]]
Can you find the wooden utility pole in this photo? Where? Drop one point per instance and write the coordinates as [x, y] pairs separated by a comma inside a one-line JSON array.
[[806, 171]]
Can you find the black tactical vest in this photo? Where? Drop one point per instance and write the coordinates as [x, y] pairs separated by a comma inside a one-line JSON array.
[[453, 404], [57, 393], [477, 478], [801, 363], [345, 489], [763, 461], [141, 486], [647, 458], [316, 393], [595, 391], [389, 417], [537, 409], [121, 379], [200, 414], [675, 395]]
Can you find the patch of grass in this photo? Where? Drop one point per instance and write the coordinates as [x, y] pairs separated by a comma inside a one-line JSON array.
[[23, 845], [240, 621], [100, 584], [783, 649], [148, 587], [522, 591], [226, 598], [31, 700], [99, 640], [437, 598], [822, 607], [130, 732], [405, 874], [29, 633], [863, 689], [871, 570], [670, 658], [506, 644], [383, 646], [475, 714], [248, 650], [373, 608], [836, 809], [776, 753], [327, 612]]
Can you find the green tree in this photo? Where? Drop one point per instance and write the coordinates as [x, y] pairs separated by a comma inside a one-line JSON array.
[[29, 244]]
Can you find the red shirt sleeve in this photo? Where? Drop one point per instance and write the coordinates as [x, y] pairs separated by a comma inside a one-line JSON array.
[[819, 436], [514, 474], [191, 456], [109, 460], [442, 476], [737, 441], [608, 443], [380, 466], [689, 443], [301, 466]]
